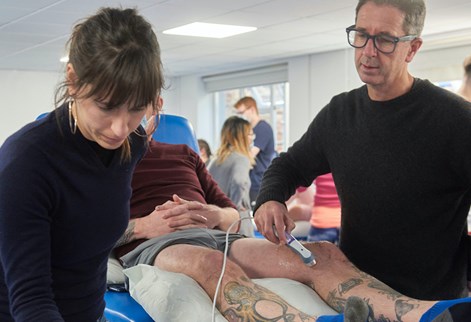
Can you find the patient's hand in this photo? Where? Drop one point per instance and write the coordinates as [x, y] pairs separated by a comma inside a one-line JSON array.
[[180, 214], [217, 217], [168, 218], [194, 209]]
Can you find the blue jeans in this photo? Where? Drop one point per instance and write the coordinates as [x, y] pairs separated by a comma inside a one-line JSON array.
[[319, 234]]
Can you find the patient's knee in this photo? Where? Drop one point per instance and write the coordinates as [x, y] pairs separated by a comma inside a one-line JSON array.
[[326, 251], [203, 265], [211, 265]]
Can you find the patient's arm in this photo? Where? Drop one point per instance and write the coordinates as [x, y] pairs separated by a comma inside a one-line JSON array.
[[217, 217], [160, 222], [178, 214], [128, 235]]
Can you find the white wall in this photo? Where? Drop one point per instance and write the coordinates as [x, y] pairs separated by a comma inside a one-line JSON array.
[[187, 97], [26, 94], [23, 96], [313, 79], [439, 65], [300, 96]]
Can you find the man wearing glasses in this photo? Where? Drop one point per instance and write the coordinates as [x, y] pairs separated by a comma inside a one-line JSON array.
[[399, 149]]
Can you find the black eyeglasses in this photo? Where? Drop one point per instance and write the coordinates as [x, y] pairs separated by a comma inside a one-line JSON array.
[[383, 43]]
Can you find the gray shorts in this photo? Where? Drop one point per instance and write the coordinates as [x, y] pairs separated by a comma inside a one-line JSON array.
[[146, 252]]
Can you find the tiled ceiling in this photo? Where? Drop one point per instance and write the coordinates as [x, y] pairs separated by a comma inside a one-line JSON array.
[[33, 32]]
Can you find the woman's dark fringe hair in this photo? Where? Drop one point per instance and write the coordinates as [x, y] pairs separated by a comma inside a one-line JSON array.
[[117, 54]]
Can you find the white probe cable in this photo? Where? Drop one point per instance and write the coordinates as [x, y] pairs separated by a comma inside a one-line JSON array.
[[292, 243], [226, 248]]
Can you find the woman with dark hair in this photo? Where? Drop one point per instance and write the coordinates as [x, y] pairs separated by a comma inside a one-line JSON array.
[[65, 179], [205, 151]]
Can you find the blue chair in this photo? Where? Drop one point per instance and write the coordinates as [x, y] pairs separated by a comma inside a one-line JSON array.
[[40, 116], [176, 130], [121, 307]]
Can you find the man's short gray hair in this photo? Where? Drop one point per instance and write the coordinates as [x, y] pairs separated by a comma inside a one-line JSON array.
[[414, 11]]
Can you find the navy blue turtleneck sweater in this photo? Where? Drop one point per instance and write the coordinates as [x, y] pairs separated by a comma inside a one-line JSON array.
[[61, 211]]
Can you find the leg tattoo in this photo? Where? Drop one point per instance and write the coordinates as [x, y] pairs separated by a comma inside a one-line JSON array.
[[251, 304], [348, 285], [402, 308]]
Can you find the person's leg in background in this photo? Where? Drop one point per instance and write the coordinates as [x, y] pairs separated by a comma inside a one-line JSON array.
[[324, 234]]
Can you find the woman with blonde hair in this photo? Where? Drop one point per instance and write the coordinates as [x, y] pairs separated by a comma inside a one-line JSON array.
[[232, 165]]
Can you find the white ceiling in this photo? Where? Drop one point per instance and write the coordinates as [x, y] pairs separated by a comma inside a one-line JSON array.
[[33, 32]]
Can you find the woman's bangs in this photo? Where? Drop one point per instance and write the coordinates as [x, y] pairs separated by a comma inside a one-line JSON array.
[[127, 80]]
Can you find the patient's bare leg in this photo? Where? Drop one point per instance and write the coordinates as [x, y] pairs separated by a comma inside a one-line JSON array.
[[334, 277], [239, 299]]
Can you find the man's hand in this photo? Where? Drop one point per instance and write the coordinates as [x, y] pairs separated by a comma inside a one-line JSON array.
[[272, 216]]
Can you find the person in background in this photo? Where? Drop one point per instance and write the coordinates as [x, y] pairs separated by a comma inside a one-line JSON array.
[[231, 166], [319, 206], [65, 179], [325, 217], [299, 208], [465, 88], [300, 204], [263, 149], [399, 149], [205, 151]]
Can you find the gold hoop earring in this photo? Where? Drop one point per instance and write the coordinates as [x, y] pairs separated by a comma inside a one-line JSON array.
[[73, 127]]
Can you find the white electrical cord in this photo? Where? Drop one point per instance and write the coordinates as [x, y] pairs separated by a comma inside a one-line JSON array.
[[226, 248]]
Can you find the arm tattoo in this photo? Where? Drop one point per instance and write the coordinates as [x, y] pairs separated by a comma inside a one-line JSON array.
[[128, 235]]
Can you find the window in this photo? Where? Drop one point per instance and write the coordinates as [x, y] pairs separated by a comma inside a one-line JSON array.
[[272, 102], [268, 85], [452, 85]]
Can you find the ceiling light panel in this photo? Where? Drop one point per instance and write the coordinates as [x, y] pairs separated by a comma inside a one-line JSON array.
[[210, 30]]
